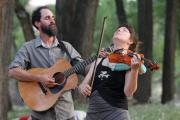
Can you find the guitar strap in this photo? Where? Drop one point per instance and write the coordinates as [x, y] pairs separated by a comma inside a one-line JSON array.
[[63, 47]]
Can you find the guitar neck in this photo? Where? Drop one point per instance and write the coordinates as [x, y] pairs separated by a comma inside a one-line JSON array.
[[79, 66]]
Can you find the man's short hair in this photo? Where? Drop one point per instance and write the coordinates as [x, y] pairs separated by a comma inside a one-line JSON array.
[[36, 15]]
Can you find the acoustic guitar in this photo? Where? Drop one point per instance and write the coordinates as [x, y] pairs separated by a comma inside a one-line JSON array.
[[38, 97]]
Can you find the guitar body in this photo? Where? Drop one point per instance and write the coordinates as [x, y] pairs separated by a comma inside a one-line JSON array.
[[33, 95]]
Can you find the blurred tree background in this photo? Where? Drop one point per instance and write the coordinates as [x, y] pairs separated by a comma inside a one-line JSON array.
[[79, 22]]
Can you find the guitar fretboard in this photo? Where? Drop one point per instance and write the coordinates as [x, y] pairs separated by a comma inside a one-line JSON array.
[[79, 66]]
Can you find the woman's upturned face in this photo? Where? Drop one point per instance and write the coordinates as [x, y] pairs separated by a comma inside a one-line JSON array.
[[122, 35]]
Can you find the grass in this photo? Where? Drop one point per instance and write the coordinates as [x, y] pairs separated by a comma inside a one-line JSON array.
[[152, 111], [17, 112]]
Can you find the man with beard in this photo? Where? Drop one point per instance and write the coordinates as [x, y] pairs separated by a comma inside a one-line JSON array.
[[43, 52]]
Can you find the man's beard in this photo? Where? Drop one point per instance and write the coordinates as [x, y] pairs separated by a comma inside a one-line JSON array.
[[50, 30]]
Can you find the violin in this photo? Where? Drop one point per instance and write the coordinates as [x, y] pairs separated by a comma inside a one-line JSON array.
[[125, 56]]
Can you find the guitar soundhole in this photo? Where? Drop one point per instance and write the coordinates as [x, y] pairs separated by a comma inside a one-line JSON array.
[[59, 77], [61, 80]]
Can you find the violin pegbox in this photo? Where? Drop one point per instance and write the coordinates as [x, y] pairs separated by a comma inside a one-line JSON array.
[[153, 65]]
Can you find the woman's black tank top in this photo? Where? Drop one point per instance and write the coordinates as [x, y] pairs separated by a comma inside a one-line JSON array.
[[110, 85]]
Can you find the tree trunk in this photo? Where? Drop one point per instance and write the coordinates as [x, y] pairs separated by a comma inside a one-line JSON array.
[[168, 83], [121, 12], [65, 12], [179, 38], [6, 20], [76, 21], [178, 24], [146, 36], [25, 21]]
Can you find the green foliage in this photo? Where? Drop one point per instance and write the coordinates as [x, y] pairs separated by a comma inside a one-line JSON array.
[[131, 12], [17, 32], [105, 8], [158, 48], [177, 72], [23, 2], [52, 8], [159, 22]]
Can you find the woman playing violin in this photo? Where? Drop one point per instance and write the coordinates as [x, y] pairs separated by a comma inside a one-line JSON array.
[[108, 95]]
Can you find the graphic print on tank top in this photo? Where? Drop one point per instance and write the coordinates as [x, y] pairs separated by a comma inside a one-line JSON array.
[[103, 75]]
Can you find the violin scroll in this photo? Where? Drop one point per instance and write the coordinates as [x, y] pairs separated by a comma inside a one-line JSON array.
[[153, 66]]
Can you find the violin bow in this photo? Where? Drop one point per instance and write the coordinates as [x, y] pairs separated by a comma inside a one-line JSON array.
[[99, 47]]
